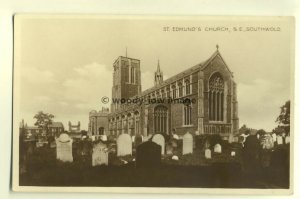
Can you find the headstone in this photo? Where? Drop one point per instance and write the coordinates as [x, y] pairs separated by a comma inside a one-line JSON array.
[[169, 149], [279, 140], [175, 136], [267, 142], [232, 153], [138, 139], [197, 133], [187, 144], [218, 148], [258, 136], [64, 148], [287, 139], [100, 154], [103, 138], [207, 153], [124, 145], [160, 140], [230, 138], [175, 157], [274, 137], [148, 155]]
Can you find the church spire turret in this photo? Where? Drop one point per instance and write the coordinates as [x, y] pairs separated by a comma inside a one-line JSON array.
[[158, 75]]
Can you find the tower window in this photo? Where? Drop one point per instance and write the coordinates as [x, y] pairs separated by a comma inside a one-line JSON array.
[[132, 76]]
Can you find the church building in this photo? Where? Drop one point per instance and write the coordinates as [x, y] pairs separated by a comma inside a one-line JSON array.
[[201, 100]]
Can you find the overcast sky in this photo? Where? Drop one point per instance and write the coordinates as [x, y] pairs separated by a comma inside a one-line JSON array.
[[64, 64]]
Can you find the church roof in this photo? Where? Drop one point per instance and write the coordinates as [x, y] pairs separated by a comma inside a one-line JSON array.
[[185, 73], [56, 125]]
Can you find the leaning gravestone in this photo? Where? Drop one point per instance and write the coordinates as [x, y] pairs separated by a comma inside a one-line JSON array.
[[279, 140], [160, 140], [100, 154], [218, 148], [187, 144], [207, 153], [64, 148], [124, 145], [138, 139], [148, 155]]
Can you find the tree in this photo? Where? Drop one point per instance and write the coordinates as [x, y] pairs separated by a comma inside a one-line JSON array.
[[43, 120], [283, 119]]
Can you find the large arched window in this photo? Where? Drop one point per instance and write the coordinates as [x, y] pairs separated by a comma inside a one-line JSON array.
[[216, 97], [160, 119]]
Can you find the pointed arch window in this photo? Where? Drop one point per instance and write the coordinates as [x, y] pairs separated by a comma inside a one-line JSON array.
[[132, 75], [216, 97], [180, 89], [187, 115], [187, 87]]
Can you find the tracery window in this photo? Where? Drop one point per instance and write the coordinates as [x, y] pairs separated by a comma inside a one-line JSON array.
[[216, 97], [160, 119]]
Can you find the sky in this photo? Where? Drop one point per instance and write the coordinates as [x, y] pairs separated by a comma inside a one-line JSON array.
[[63, 64]]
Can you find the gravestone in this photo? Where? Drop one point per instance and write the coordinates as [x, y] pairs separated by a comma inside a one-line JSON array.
[[187, 144], [230, 138], [148, 155], [64, 148], [207, 153], [279, 140], [175, 136], [232, 153], [103, 138], [287, 139], [169, 149], [274, 137], [124, 145], [218, 148], [100, 154], [267, 142], [160, 140], [138, 139], [175, 157]]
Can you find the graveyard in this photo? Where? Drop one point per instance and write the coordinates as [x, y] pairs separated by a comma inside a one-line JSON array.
[[157, 162]]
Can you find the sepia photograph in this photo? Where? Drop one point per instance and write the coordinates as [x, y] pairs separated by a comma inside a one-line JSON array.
[[150, 104]]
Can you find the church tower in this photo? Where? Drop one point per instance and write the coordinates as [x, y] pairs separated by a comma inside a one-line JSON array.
[[158, 75], [126, 80]]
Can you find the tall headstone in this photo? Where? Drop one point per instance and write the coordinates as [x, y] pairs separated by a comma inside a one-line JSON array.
[[207, 154], [100, 154], [274, 137], [160, 140], [279, 140], [124, 145], [187, 144], [148, 155], [64, 148], [218, 148]]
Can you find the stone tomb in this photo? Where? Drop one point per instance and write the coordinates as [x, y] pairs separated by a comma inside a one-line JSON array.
[[187, 144], [218, 148], [148, 155], [100, 154], [124, 145], [160, 140], [64, 148]]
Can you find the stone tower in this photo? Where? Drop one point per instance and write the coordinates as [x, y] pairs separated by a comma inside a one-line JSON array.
[[126, 80], [158, 76]]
